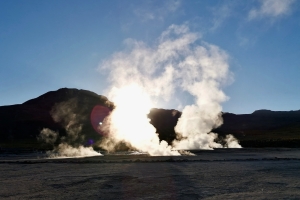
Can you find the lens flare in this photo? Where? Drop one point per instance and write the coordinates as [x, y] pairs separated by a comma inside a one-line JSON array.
[[98, 114]]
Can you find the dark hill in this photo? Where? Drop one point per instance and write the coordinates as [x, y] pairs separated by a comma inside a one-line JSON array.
[[264, 128], [164, 121], [21, 124]]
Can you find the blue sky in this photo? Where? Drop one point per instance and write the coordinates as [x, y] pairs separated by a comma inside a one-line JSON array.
[[47, 45]]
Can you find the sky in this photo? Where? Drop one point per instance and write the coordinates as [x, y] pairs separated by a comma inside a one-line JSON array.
[[47, 45]]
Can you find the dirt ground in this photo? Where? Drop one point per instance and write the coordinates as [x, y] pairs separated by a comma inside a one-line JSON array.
[[222, 174]]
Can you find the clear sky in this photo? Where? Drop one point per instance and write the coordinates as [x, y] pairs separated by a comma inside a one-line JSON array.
[[47, 45]]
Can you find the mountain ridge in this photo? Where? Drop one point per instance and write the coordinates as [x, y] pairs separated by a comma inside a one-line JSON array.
[[22, 123]]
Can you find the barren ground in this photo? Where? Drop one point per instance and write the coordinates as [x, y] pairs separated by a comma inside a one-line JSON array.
[[219, 174]]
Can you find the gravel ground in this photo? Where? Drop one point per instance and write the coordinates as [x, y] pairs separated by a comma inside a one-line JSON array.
[[241, 174]]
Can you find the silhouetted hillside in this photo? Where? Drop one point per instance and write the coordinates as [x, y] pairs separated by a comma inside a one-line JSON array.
[[264, 128], [21, 124]]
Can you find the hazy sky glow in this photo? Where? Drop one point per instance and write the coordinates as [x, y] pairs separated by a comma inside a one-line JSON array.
[[47, 45]]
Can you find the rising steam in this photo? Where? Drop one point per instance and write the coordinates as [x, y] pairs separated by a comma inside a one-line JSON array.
[[177, 62], [68, 145]]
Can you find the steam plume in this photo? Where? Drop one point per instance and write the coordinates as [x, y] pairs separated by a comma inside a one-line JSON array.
[[69, 144], [204, 71], [144, 74], [48, 136]]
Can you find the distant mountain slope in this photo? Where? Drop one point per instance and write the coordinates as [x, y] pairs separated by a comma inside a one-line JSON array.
[[264, 128]]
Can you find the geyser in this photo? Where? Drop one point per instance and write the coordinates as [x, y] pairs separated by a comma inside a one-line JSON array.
[[140, 75]]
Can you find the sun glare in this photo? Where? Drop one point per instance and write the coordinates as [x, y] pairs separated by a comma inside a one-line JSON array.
[[132, 97], [130, 116], [129, 122]]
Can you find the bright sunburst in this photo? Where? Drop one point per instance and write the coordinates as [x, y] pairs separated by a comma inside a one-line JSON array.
[[129, 122]]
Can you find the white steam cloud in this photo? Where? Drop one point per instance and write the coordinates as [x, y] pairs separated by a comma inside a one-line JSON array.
[[142, 74], [64, 150], [203, 72], [48, 136]]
